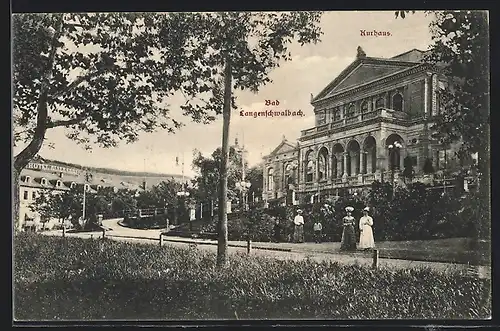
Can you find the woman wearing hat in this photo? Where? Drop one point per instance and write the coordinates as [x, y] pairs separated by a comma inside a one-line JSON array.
[[298, 232], [348, 237], [365, 226]]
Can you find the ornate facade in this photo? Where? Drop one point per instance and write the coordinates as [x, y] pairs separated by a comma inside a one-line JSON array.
[[369, 119]]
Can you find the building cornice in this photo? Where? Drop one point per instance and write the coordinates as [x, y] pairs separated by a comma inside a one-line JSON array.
[[360, 88], [401, 122]]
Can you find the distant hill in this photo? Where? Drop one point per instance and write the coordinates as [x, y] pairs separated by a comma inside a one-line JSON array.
[[109, 170]]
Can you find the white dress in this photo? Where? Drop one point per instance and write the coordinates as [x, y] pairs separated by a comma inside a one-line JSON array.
[[366, 237]]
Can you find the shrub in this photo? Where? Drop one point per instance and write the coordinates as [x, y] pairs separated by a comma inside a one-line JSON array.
[[72, 278]]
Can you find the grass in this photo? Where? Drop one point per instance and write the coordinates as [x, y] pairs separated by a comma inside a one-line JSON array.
[[78, 279]]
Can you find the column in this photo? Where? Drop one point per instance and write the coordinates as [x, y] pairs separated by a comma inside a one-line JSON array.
[[304, 172], [340, 171], [354, 163], [369, 161], [361, 172], [426, 97], [361, 161], [434, 84], [331, 167], [346, 155]]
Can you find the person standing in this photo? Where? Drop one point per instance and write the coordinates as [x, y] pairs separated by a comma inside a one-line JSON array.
[[298, 232], [276, 230], [366, 240], [318, 228], [348, 242]]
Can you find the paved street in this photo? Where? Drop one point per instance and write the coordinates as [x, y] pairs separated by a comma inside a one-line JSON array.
[[318, 252]]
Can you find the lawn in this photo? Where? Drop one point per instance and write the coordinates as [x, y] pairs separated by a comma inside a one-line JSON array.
[[71, 278]]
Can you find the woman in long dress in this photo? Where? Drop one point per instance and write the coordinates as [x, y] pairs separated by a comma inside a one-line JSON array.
[[366, 240], [348, 236]]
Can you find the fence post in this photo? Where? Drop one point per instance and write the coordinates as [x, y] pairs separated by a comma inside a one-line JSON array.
[[375, 259], [64, 231], [161, 239], [249, 245]]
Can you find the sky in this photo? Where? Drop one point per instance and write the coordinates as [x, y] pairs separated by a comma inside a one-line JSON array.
[[312, 67]]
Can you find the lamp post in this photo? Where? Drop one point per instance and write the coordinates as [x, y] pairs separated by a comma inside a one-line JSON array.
[[87, 179], [291, 186], [393, 150], [445, 168], [243, 186], [183, 195]]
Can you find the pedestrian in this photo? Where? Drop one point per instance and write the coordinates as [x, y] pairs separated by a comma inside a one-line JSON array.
[[276, 230], [298, 232], [318, 228], [348, 236], [366, 240]]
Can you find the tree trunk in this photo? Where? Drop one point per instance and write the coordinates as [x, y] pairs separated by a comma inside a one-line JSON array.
[[15, 198], [26, 155], [222, 258]]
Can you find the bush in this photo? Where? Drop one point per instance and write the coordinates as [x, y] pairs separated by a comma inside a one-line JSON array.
[[72, 278], [412, 213]]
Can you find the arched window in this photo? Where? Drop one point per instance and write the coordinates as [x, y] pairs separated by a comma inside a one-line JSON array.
[[351, 110], [87, 187], [322, 166], [364, 107], [397, 102], [73, 184], [380, 103], [310, 171], [44, 181], [99, 187], [289, 175], [270, 179], [336, 115], [58, 183], [27, 179]]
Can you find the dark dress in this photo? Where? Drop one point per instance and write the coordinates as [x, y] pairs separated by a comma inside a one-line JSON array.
[[348, 236], [277, 233]]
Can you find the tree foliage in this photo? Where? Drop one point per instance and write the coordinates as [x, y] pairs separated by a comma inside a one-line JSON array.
[[460, 49], [108, 79], [208, 174]]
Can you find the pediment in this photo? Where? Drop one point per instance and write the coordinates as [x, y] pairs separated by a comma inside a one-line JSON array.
[[284, 147], [365, 73], [362, 71]]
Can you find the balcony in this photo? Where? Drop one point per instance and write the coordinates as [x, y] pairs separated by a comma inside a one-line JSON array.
[[339, 125]]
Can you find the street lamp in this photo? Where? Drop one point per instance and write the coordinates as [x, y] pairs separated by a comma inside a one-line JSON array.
[[393, 150], [184, 195], [243, 186]]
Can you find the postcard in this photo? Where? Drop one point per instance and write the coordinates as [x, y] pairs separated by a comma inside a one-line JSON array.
[[209, 166]]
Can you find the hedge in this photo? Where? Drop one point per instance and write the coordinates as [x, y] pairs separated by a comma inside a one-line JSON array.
[[412, 213], [70, 278]]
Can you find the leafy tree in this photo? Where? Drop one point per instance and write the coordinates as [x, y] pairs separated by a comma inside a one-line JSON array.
[[408, 171], [237, 50], [428, 167], [104, 77], [207, 180], [63, 206], [461, 48], [255, 176]]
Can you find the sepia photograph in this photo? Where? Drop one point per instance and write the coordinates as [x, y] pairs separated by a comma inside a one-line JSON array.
[[251, 165]]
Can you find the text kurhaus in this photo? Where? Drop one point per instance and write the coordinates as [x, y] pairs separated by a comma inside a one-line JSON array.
[[374, 33], [271, 113]]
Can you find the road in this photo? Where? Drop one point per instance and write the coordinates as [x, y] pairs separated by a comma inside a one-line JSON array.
[[293, 251]]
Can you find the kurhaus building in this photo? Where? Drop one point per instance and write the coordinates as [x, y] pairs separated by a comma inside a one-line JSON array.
[[376, 113]]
